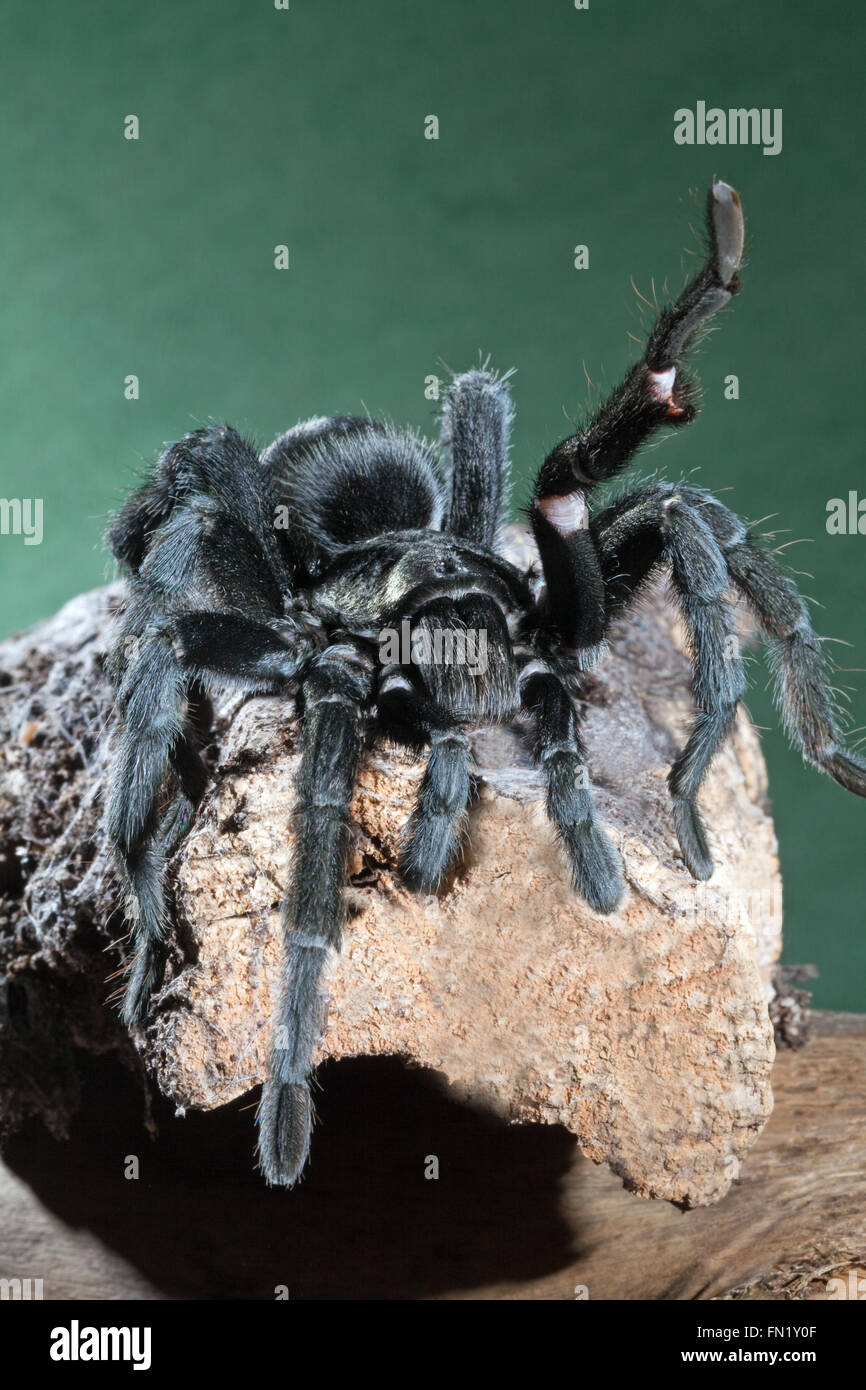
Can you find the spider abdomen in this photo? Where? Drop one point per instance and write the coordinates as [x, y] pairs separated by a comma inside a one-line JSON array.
[[348, 487]]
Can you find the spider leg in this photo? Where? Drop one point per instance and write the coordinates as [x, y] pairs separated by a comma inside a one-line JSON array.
[[700, 577], [226, 649], [666, 523], [158, 777], [336, 692], [655, 392], [432, 834], [214, 463], [151, 801], [796, 657], [145, 862], [476, 422], [200, 554], [561, 752], [459, 688]]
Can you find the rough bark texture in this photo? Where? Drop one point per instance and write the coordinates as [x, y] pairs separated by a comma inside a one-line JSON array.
[[646, 1034]]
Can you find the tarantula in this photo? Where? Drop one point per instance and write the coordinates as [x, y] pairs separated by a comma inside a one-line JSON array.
[[278, 572]]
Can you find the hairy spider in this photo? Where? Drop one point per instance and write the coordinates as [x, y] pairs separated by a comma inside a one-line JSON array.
[[278, 572]]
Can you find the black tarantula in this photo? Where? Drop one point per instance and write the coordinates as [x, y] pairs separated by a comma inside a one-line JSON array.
[[221, 593]]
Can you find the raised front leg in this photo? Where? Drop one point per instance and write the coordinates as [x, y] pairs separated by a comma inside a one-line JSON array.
[[657, 391]]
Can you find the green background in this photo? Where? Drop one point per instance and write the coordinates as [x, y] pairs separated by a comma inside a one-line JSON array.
[[305, 127]]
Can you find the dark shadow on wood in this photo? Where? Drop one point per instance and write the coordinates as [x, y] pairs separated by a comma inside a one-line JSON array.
[[365, 1222]]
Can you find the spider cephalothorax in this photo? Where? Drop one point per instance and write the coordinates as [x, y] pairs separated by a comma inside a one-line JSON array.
[[280, 572]]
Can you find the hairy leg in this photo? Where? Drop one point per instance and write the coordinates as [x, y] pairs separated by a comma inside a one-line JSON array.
[[433, 832], [409, 715], [200, 554], [661, 523], [158, 777], [476, 422], [472, 680], [335, 693], [801, 675], [656, 392], [213, 463], [561, 752]]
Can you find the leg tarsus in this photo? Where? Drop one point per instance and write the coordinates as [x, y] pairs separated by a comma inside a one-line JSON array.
[[145, 977], [847, 770], [285, 1120], [692, 837], [433, 832], [688, 772], [595, 865], [729, 231]]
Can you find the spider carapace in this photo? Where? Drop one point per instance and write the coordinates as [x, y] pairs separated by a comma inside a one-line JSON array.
[[278, 572]]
